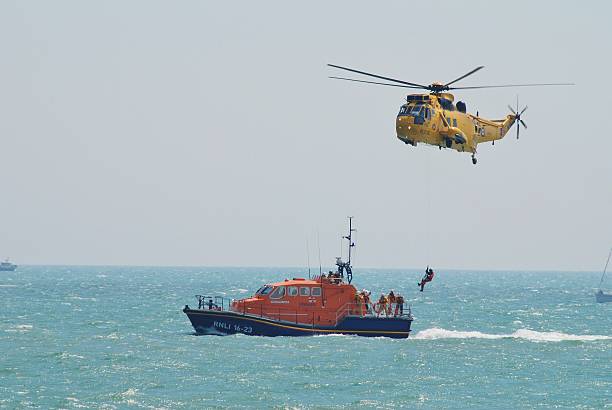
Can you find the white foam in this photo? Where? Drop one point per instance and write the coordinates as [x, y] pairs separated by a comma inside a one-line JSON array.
[[526, 334], [129, 392], [111, 336], [332, 335], [66, 355], [20, 328]]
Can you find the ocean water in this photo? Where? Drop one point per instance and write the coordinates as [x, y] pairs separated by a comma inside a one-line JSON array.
[[115, 337]]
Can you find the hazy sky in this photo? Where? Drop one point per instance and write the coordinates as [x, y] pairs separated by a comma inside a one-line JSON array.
[[208, 133]]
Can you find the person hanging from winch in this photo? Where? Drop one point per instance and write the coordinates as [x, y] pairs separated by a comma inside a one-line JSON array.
[[429, 275]]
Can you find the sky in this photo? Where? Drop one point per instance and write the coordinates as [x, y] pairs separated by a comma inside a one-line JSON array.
[[205, 133]]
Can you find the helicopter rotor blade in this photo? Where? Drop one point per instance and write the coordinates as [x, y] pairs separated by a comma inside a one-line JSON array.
[[373, 82], [378, 76], [512, 109], [523, 122], [524, 109], [517, 131], [517, 105], [508, 85], [464, 75]]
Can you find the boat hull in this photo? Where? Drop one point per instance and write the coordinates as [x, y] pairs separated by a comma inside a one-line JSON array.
[[226, 323], [602, 297]]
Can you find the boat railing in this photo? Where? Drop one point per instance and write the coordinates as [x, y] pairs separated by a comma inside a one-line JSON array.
[[219, 303], [391, 310], [349, 309], [275, 313]]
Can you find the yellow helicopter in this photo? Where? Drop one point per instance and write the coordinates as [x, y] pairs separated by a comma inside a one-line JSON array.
[[435, 119]]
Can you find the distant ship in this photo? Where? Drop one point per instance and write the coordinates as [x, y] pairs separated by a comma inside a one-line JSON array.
[[7, 266], [600, 295], [325, 304]]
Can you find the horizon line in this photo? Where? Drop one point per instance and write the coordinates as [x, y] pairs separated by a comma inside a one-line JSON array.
[[304, 268]]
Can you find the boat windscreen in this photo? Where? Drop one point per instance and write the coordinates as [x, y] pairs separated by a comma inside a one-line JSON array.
[[264, 290], [278, 293]]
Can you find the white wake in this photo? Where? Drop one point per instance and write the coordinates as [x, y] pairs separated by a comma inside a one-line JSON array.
[[532, 335]]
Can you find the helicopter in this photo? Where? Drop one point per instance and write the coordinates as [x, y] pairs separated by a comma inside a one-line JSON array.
[[435, 119]]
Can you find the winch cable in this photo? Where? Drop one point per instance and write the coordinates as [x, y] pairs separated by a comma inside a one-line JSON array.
[[428, 205]]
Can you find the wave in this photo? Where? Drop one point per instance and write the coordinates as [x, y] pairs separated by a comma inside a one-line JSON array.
[[526, 334], [19, 328], [209, 331]]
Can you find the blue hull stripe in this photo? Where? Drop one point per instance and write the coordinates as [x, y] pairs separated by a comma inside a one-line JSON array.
[[303, 330]]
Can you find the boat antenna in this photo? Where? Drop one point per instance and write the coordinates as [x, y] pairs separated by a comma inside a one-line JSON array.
[[308, 257], [346, 266], [319, 247], [350, 239], [605, 267]]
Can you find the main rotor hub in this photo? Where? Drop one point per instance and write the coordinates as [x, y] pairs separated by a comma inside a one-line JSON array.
[[437, 87]]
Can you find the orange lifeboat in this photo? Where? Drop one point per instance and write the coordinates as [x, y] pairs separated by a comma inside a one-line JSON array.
[[299, 307]]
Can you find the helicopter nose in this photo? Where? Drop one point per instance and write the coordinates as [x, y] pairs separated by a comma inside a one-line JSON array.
[[405, 119], [405, 122], [404, 128]]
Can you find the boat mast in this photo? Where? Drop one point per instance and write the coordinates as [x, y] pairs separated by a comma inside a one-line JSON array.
[[350, 239], [346, 266], [605, 267]]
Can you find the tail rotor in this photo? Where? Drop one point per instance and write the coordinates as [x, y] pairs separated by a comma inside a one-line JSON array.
[[517, 117]]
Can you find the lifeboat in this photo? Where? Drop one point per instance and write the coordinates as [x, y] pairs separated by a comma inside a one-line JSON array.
[[325, 304]]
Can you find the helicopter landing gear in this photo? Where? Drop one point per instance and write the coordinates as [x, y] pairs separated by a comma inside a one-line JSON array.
[[474, 160]]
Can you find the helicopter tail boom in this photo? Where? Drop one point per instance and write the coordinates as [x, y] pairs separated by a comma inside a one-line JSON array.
[[496, 130]]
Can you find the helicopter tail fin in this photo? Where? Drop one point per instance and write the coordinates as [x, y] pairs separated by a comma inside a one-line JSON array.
[[510, 120], [516, 117], [506, 124]]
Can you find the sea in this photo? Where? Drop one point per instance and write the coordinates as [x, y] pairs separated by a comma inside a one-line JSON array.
[[116, 338]]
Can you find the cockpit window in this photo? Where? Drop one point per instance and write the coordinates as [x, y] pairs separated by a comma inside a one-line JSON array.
[[278, 293], [416, 110], [264, 290]]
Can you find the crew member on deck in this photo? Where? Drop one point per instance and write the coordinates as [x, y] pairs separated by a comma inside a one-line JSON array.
[[399, 305], [358, 304], [382, 305], [366, 300], [391, 299]]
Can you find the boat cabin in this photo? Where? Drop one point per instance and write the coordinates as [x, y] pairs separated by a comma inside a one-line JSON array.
[[321, 300]]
